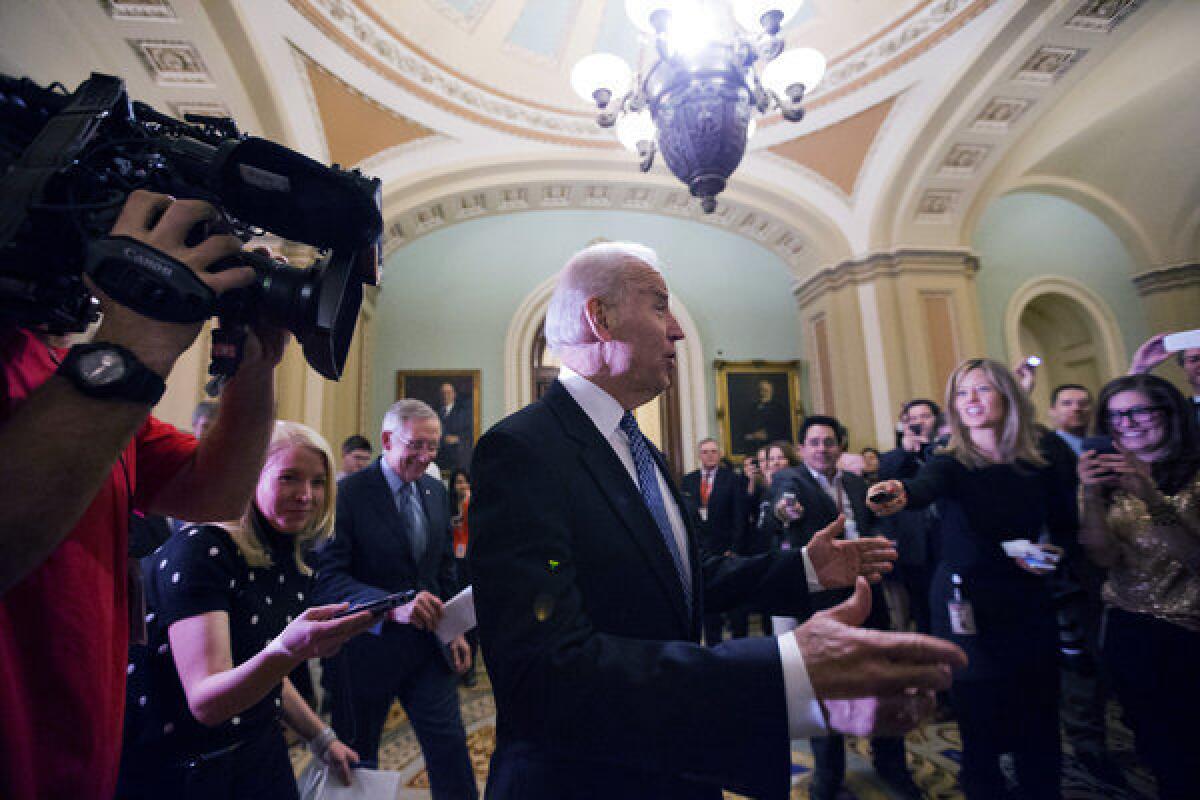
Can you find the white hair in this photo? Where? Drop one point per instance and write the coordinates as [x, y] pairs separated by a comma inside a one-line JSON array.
[[600, 270], [405, 410]]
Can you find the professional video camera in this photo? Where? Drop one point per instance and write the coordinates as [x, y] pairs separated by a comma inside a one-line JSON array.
[[67, 164]]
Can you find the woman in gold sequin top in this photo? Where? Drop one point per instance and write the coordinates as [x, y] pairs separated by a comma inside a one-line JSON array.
[[1141, 520]]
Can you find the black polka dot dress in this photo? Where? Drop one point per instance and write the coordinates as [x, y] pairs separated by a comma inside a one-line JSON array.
[[200, 570]]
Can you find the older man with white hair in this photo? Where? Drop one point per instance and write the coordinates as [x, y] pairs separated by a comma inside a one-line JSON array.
[[590, 588]]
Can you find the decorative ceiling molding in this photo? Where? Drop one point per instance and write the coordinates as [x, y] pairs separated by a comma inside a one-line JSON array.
[[910, 38], [878, 265], [356, 128], [139, 10], [1167, 279], [1016, 94], [468, 19], [366, 35], [172, 62], [770, 231], [378, 47]]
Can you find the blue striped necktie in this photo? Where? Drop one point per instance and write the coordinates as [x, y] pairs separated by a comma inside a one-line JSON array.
[[647, 478]]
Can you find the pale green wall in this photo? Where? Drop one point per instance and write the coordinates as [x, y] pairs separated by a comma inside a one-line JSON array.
[[448, 297], [1026, 235]]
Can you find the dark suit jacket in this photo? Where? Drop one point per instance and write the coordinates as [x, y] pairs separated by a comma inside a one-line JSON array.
[[602, 689], [725, 529], [459, 422], [369, 556], [820, 510], [913, 531]]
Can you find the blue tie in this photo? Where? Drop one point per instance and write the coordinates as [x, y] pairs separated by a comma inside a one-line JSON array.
[[414, 515], [647, 478]]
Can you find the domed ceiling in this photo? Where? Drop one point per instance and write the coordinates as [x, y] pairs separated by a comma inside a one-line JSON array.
[[928, 109], [526, 48]]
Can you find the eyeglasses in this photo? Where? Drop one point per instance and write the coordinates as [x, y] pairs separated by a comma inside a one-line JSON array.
[[1139, 414], [417, 445]]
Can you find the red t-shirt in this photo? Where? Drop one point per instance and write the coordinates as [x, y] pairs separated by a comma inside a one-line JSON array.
[[64, 629]]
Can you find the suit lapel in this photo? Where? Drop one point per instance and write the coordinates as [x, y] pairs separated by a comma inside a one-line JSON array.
[[622, 494], [827, 502]]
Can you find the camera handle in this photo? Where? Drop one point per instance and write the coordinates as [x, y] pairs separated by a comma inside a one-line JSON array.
[[228, 347]]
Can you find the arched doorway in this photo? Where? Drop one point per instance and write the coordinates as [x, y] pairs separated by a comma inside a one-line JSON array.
[[677, 419], [1072, 330]]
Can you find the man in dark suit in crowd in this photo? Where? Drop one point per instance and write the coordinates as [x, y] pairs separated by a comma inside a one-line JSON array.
[[716, 498], [457, 418], [1077, 590], [808, 498], [589, 587], [914, 532], [393, 534]]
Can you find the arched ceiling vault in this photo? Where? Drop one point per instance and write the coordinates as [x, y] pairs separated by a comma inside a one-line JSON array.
[[930, 108]]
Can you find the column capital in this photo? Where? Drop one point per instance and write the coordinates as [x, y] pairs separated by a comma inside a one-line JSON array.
[[1167, 278], [876, 265]]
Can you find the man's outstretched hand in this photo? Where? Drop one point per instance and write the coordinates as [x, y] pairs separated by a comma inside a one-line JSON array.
[[840, 562], [873, 682]]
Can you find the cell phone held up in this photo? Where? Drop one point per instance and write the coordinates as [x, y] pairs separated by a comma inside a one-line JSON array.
[[883, 497], [382, 605], [1104, 446]]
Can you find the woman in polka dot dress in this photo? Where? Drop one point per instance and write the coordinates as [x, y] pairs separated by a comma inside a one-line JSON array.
[[226, 623]]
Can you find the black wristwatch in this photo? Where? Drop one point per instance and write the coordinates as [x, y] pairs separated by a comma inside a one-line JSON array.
[[110, 372]]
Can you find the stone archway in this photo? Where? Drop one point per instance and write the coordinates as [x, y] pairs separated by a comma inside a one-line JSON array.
[[1073, 331], [692, 407]]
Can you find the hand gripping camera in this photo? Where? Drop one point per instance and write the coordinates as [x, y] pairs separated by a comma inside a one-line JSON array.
[[67, 163]]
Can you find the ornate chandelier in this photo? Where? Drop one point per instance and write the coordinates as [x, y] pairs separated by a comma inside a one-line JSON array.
[[716, 64]]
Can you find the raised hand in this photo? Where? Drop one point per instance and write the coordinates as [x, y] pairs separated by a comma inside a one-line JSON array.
[[839, 563], [885, 677], [318, 633], [1149, 355], [895, 489], [423, 612]]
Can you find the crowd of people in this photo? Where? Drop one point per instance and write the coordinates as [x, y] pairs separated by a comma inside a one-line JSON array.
[[163, 594], [1101, 606]]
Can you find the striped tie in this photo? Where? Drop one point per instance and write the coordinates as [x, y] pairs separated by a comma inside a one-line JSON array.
[[647, 478]]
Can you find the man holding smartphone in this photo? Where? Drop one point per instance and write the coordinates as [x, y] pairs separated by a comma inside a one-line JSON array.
[[912, 531]]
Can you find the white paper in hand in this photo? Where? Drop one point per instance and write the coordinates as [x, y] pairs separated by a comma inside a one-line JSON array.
[[368, 784], [458, 616]]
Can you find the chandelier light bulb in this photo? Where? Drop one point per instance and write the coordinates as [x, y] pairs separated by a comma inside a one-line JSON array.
[[600, 72], [693, 27], [795, 68], [635, 127], [749, 13], [640, 12]]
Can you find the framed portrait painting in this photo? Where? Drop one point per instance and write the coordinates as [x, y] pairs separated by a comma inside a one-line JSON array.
[[758, 402], [454, 395]]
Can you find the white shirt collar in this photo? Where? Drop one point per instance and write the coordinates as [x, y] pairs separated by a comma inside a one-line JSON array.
[[820, 477], [601, 407]]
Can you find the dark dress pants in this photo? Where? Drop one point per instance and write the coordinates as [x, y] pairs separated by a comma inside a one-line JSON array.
[[1154, 670], [829, 760], [1015, 714], [430, 698]]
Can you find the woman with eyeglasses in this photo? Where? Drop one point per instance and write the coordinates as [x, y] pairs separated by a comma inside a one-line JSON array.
[[1141, 521]]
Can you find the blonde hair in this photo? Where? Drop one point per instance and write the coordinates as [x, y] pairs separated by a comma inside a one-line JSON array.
[[1017, 437], [243, 531]]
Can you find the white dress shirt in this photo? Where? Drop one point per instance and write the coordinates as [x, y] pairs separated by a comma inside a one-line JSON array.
[[805, 717]]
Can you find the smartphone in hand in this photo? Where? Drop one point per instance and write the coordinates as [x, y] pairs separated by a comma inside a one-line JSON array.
[[382, 605]]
